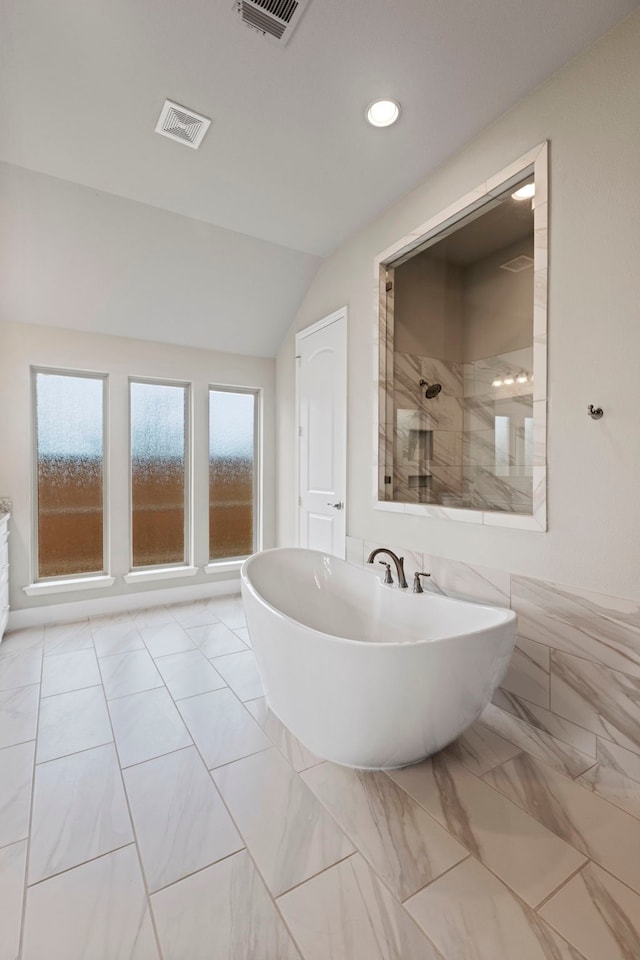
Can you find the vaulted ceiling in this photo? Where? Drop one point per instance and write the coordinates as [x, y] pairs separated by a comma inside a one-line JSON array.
[[289, 168]]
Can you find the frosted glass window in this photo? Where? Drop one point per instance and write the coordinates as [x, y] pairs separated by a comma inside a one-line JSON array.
[[158, 473], [232, 474], [70, 467]]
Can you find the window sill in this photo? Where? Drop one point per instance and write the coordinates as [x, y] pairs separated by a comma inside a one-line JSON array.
[[160, 573], [68, 586], [225, 566]]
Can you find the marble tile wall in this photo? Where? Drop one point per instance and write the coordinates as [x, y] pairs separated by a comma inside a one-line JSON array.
[[443, 449], [574, 675], [427, 434]]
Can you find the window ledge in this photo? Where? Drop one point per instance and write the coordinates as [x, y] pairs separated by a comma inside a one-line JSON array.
[[159, 573], [224, 566], [68, 586]]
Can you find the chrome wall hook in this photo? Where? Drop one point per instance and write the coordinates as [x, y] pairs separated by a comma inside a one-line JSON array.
[[596, 413]]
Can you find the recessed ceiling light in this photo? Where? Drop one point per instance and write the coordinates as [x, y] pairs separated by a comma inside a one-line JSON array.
[[382, 113], [525, 193]]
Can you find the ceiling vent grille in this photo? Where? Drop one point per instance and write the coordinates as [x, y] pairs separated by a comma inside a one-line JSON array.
[[274, 19], [181, 124], [518, 264]]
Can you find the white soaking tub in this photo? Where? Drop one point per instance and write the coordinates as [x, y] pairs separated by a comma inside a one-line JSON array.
[[363, 673]]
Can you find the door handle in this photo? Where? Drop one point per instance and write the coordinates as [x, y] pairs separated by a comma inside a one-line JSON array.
[[336, 506]]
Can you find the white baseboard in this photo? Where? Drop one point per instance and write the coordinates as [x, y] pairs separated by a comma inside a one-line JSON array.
[[80, 609]]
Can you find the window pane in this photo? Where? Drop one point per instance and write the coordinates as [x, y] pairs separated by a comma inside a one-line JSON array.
[[158, 414], [231, 474], [69, 431]]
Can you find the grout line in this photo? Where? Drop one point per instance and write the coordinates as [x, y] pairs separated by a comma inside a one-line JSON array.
[[81, 863], [194, 873], [135, 835], [30, 823], [453, 866], [557, 889], [296, 886]]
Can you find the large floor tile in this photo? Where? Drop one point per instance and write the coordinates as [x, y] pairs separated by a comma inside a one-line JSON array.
[[188, 674], [479, 749], [180, 821], [243, 633], [127, 673], [16, 777], [240, 671], [216, 639], [221, 727], [20, 669], [151, 616], [539, 744], [121, 636], [13, 861], [166, 638], [69, 671], [19, 641], [287, 831], [296, 753], [229, 610], [67, 637], [530, 859], [617, 758], [98, 911], [147, 725], [598, 914], [403, 844], [345, 913], [79, 811], [221, 913], [194, 613], [614, 787], [18, 715], [470, 915], [590, 824], [72, 721]]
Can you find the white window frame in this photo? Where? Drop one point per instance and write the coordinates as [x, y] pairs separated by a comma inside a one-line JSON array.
[[234, 563], [185, 567], [78, 581]]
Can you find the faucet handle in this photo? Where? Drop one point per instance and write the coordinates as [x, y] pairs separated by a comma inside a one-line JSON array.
[[387, 576], [417, 586]]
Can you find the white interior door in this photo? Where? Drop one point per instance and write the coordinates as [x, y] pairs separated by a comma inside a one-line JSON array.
[[322, 434]]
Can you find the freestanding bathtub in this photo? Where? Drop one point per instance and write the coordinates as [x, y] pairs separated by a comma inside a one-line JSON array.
[[363, 673]]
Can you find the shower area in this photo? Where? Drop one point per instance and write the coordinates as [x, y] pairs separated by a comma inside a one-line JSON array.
[[462, 372]]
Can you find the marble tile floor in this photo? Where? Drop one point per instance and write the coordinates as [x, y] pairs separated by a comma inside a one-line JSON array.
[[153, 808]]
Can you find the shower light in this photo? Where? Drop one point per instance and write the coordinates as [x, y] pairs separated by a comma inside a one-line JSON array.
[[497, 382], [521, 378], [508, 381], [525, 193], [382, 113]]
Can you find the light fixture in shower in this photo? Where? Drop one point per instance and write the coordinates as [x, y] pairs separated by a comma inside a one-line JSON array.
[[433, 389], [509, 379], [527, 192]]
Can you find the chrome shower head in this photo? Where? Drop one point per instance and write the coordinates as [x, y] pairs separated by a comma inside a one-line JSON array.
[[433, 389]]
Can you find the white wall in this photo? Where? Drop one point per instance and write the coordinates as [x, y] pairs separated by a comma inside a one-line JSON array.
[[22, 345], [590, 112]]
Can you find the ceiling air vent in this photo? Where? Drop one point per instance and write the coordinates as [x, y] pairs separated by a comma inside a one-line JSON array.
[[275, 19], [518, 264], [181, 124]]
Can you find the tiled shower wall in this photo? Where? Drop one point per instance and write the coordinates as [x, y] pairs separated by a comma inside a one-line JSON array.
[[575, 670], [445, 448]]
